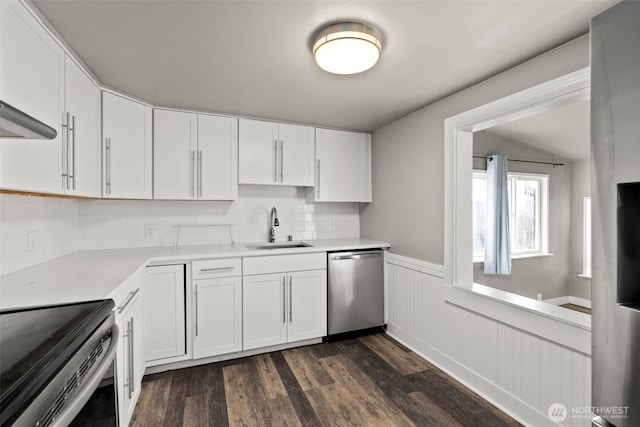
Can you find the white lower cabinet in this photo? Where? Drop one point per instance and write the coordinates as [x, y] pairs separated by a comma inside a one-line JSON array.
[[284, 307], [217, 317], [130, 354], [165, 327]]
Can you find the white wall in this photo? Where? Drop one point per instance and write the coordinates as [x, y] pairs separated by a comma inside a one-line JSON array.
[[408, 156], [54, 221], [549, 275]]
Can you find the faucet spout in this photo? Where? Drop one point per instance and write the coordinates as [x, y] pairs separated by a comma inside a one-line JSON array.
[[274, 223]]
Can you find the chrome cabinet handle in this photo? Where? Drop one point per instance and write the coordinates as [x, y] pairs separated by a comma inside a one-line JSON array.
[[275, 160], [107, 149], [281, 160], [73, 129], [131, 359], [207, 270], [128, 300], [129, 335], [318, 183], [193, 174], [66, 154], [200, 173], [284, 299], [196, 308], [290, 299]]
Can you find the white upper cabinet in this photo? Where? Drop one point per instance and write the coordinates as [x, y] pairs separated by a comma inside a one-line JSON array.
[[31, 80], [343, 166], [218, 149], [81, 134], [275, 154], [195, 156], [175, 150], [127, 148]]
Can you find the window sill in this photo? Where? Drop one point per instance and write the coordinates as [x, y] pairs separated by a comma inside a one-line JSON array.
[[521, 256], [585, 276]]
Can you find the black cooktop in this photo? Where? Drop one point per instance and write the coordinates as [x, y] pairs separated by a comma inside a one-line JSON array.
[[35, 343]]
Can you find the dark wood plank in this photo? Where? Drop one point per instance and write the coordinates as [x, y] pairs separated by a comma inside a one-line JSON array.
[[303, 408], [307, 368], [369, 381], [452, 399], [402, 361]]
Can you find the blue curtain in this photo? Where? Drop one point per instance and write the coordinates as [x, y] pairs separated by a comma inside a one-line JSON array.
[[497, 254]]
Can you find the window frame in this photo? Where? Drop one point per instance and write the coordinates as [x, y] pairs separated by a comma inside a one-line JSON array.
[[586, 237], [542, 214]]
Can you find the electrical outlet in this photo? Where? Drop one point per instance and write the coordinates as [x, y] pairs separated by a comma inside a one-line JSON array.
[[31, 240], [539, 297], [149, 231], [332, 226]]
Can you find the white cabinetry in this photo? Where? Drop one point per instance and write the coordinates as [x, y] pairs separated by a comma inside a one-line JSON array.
[[165, 327], [130, 354], [286, 306], [217, 289], [31, 80], [81, 134], [343, 166], [127, 148], [195, 156], [275, 154]]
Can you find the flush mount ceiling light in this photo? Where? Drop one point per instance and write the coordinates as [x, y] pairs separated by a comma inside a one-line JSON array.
[[347, 47]]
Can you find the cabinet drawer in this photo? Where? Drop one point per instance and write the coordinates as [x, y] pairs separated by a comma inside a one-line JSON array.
[[209, 268], [284, 263]]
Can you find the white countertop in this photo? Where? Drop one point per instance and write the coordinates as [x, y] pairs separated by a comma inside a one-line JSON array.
[[94, 274]]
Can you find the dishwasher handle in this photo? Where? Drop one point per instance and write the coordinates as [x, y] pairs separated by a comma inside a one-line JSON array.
[[355, 255]]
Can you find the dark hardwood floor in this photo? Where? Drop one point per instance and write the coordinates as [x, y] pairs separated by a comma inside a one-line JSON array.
[[576, 307], [368, 381]]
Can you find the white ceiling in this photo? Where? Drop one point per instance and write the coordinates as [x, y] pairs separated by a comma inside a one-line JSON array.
[[563, 131], [253, 58]]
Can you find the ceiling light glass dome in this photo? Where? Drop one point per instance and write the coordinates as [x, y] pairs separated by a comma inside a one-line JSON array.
[[347, 48]]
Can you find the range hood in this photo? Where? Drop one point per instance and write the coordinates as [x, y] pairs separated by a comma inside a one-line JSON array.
[[16, 124]]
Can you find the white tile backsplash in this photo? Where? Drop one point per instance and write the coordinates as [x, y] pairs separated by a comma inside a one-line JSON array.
[[63, 226], [54, 222], [117, 224]]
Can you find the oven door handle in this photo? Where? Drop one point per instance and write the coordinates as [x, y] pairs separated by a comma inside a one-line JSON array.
[[74, 407]]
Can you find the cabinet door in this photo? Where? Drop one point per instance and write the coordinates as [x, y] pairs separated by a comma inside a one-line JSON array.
[[126, 131], [307, 310], [258, 152], [164, 330], [31, 80], [218, 316], [263, 308], [218, 156], [129, 361], [175, 151], [297, 152], [343, 166], [82, 149]]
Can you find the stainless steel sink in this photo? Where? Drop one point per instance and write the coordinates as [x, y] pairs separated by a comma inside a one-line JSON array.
[[278, 246]]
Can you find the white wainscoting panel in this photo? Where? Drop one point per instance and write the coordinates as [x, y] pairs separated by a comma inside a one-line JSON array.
[[521, 373]]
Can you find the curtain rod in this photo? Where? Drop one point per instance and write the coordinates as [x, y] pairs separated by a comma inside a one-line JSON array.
[[524, 161]]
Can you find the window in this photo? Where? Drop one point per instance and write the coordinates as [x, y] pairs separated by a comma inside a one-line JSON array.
[[586, 237], [528, 214]]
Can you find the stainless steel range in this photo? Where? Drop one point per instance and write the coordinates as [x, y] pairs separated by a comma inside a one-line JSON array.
[[56, 365]]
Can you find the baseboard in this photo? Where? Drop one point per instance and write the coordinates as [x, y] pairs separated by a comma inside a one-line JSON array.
[[507, 403]]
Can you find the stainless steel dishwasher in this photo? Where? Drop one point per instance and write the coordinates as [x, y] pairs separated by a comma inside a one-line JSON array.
[[356, 291]]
